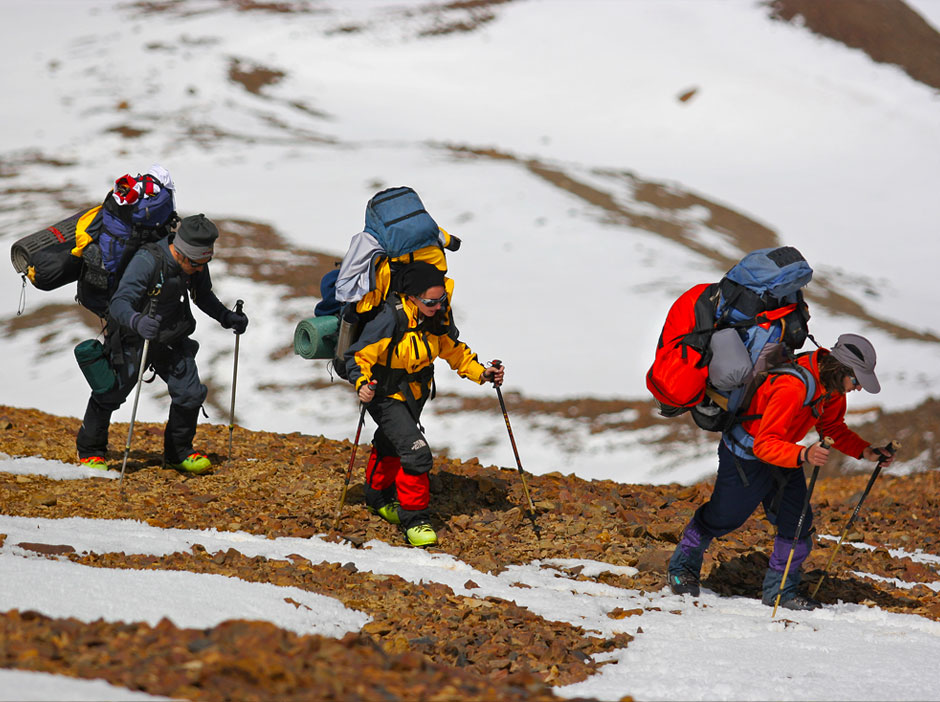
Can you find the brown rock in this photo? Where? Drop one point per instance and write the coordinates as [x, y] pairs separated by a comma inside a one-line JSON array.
[[654, 561], [47, 549], [44, 500], [618, 613]]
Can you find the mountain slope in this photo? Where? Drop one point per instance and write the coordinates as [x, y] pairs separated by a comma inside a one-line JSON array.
[[422, 637]]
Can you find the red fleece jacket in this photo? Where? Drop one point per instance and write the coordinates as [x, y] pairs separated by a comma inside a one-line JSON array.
[[784, 420]]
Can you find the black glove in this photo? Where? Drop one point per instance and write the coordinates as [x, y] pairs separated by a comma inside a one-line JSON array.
[[237, 321], [145, 325]]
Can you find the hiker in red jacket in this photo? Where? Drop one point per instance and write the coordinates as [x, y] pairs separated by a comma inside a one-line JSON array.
[[761, 462]]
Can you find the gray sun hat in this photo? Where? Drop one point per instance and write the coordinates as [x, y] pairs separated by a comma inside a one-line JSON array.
[[196, 237], [857, 353]]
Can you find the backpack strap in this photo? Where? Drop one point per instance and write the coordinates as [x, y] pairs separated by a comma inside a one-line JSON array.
[[114, 341], [805, 375], [397, 379], [160, 271], [701, 334], [742, 442]]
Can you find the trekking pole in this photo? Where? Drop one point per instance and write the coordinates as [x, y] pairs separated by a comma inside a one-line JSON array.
[[140, 380], [891, 449], [502, 405], [352, 459], [231, 416], [826, 443]]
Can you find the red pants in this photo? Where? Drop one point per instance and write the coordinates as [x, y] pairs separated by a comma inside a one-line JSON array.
[[414, 491]]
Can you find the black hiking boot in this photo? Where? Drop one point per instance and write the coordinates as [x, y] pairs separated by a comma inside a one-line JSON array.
[[682, 582], [799, 603], [684, 570]]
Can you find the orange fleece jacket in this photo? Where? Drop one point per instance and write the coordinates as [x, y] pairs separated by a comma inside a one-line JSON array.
[[784, 420]]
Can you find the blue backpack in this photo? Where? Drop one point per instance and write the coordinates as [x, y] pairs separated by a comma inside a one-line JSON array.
[[117, 232], [147, 218], [397, 219], [750, 321]]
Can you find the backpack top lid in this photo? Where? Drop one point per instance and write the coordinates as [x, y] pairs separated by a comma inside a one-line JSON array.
[[146, 200], [777, 272], [397, 219]]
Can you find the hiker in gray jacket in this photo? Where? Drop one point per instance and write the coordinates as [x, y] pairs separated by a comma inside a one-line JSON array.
[[152, 302]]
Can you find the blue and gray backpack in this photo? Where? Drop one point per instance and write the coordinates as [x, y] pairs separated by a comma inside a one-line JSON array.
[[753, 320], [117, 232]]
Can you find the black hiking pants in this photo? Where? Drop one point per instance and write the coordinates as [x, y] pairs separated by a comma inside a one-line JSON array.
[[176, 365], [398, 435]]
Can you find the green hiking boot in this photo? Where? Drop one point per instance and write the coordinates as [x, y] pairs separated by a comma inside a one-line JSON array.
[[96, 462], [194, 463], [388, 512], [421, 535]]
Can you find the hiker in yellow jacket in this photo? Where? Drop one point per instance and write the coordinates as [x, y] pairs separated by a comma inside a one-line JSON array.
[[397, 350]]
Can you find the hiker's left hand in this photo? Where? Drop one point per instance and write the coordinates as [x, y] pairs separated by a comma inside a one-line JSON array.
[[236, 321], [875, 454], [494, 374]]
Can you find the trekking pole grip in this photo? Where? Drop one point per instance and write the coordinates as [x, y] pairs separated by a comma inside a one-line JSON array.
[[496, 363], [238, 306], [892, 447]]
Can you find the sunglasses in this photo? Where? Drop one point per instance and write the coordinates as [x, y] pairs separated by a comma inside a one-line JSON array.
[[854, 380], [436, 302], [196, 264]]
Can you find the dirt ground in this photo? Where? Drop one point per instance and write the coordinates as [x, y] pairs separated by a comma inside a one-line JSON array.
[[423, 638]]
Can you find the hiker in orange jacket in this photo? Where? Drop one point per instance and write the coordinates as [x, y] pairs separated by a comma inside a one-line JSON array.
[[760, 462]]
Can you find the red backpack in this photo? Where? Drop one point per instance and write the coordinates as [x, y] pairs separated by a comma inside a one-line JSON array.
[[760, 298], [679, 372]]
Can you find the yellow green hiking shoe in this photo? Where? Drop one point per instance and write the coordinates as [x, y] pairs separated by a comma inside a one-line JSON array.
[[194, 463], [388, 512], [421, 535], [94, 462]]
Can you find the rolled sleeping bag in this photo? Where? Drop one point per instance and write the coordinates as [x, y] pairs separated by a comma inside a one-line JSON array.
[[731, 365], [315, 337], [46, 258]]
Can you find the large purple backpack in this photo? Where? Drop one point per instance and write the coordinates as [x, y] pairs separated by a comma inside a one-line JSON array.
[[137, 211]]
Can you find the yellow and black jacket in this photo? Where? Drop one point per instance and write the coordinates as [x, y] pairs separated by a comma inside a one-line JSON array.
[[398, 347]]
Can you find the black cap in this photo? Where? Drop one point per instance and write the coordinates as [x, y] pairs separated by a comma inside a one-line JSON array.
[[196, 237], [417, 277]]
